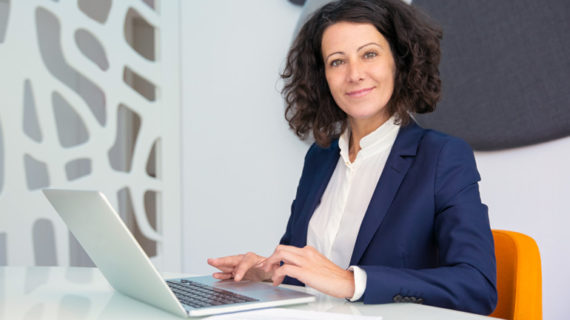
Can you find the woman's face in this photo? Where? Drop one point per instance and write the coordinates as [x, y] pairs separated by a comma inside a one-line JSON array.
[[360, 71]]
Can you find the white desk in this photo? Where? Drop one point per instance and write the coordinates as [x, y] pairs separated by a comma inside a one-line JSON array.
[[83, 293]]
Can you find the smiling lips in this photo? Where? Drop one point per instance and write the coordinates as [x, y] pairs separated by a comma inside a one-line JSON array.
[[359, 93]]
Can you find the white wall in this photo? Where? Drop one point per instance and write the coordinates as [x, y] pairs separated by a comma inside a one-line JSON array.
[[527, 190], [241, 163]]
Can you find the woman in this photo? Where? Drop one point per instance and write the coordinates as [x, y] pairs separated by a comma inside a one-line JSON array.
[[385, 210]]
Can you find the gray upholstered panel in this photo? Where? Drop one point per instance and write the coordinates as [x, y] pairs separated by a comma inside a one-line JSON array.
[[505, 70]]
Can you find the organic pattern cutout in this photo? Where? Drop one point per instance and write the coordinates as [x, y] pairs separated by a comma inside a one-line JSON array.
[[71, 130], [97, 10], [66, 104], [121, 154], [4, 13], [44, 237], [30, 119], [91, 48], [141, 85], [143, 31], [151, 161], [37, 176], [52, 54], [78, 168]]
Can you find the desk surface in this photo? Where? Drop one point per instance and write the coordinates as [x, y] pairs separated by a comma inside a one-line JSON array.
[[83, 293]]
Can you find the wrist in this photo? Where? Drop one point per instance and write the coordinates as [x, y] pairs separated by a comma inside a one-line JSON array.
[[359, 282], [350, 284]]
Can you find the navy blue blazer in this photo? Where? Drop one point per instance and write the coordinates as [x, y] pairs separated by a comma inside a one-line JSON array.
[[425, 236]]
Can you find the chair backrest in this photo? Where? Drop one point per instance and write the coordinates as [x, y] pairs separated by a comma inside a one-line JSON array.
[[519, 276]]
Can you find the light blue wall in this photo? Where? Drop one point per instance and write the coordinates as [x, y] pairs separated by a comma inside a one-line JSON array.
[[527, 190], [241, 164]]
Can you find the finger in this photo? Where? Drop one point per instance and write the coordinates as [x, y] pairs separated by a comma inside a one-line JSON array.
[[227, 269], [283, 251], [222, 275], [269, 265], [248, 261], [230, 261], [292, 249], [287, 254], [287, 270], [221, 267], [267, 268]]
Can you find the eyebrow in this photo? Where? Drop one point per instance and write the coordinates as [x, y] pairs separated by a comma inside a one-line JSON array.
[[369, 43], [358, 49], [327, 57]]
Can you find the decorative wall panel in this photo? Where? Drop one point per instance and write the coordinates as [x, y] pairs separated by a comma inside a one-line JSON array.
[[89, 101], [504, 69]]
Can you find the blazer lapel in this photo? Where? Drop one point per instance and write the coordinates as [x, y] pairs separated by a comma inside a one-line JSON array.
[[329, 160], [397, 165]]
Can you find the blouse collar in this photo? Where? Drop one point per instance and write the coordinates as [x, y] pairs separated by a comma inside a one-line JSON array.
[[376, 141]]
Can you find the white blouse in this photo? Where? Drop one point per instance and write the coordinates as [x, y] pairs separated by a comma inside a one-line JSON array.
[[347, 196]]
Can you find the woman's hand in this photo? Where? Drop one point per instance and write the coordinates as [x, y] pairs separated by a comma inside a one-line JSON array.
[[243, 266], [310, 267]]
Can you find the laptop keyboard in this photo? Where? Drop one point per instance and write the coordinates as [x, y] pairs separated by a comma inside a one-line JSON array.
[[199, 295]]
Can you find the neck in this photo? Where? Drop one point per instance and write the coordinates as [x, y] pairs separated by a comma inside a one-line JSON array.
[[360, 129]]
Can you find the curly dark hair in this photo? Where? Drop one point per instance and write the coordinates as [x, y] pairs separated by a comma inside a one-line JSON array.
[[414, 42]]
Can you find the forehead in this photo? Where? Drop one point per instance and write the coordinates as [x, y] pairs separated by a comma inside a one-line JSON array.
[[343, 36]]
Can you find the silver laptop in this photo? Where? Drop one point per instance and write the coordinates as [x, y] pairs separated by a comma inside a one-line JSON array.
[[111, 246]]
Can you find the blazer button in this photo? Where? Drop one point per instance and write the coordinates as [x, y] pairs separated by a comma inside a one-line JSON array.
[[397, 298]]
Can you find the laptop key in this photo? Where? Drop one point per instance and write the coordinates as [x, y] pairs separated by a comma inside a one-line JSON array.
[[199, 295]]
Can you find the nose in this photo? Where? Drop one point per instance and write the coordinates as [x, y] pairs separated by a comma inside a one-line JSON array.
[[355, 71]]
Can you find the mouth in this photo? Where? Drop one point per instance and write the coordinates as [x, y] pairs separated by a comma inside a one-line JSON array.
[[359, 93]]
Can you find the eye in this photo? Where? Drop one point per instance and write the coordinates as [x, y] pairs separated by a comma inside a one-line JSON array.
[[370, 54], [336, 63]]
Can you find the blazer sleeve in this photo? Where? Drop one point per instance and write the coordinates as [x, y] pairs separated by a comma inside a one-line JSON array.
[[466, 273]]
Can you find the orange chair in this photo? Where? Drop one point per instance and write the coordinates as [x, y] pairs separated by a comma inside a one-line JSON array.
[[519, 276]]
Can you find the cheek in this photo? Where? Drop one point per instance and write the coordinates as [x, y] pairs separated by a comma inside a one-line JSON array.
[[333, 83], [392, 67], [384, 72]]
